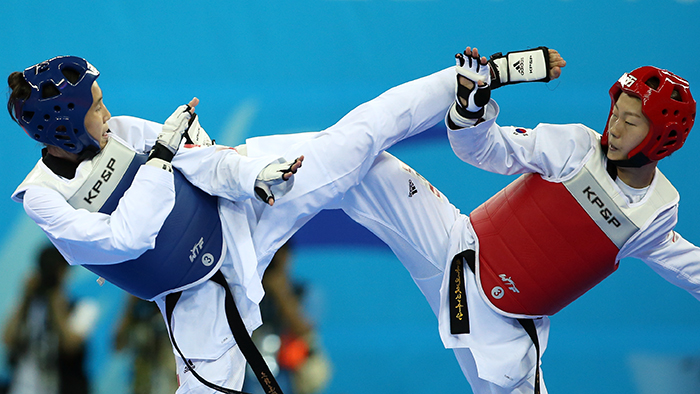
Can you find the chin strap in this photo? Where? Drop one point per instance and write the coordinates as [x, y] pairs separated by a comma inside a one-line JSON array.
[[635, 161]]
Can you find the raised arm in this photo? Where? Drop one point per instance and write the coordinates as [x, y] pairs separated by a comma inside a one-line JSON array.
[[476, 138], [499, 71]]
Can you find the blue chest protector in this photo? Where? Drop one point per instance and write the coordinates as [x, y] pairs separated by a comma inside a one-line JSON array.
[[189, 250], [189, 247]]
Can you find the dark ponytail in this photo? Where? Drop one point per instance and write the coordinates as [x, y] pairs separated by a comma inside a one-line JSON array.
[[19, 90]]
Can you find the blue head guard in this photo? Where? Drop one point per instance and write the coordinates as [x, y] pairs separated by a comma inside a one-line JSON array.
[[54, 113]]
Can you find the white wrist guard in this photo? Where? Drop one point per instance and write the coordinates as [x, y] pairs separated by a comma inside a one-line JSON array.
[[160, 163], [457, 119], [531, 65]]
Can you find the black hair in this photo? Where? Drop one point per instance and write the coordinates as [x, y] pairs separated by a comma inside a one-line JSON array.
[[20, 90]]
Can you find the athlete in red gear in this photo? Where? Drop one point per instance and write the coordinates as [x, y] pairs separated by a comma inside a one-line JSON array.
[[584, 202]]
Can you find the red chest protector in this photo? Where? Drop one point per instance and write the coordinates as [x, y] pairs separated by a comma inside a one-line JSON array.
[[543, 244]]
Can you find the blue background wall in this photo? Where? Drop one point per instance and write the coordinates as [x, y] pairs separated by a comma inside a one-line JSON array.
[[277, 67]]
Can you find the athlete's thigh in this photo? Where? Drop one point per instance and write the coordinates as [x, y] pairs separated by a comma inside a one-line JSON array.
[[406, 212]]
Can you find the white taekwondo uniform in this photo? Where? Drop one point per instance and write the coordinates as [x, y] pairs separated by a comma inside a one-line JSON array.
[[425, 231], [336, 159]]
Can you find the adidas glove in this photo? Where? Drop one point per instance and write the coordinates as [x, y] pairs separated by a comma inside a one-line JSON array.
[[530, 65]]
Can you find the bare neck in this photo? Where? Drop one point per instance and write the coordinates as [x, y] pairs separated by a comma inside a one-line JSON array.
[[637, 177]]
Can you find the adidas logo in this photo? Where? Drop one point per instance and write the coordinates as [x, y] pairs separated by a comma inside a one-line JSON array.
[[411, 188], [520, 66]]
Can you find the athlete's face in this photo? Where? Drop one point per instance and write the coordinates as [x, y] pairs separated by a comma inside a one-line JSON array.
[[97, 117], [627, 127]]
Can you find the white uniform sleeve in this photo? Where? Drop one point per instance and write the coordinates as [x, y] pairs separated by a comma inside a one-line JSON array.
[[85, 237], [667, 253], [220, 171], [555, 151], [140, 134]]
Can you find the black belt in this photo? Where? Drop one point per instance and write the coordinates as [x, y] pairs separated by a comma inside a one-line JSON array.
[[240, 334], [459, 312]]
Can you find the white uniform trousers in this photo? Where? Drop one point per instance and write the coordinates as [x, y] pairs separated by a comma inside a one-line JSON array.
[[425, 231], [336, 159], [229, 368]]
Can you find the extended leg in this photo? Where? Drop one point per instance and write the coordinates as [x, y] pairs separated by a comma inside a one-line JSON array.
[[425, 231], [337, 159], [408, 214]]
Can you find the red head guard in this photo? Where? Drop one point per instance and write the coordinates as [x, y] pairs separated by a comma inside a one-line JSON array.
[[670, 119]]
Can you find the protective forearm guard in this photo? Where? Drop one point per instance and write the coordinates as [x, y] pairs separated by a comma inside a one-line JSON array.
[[530, 65]]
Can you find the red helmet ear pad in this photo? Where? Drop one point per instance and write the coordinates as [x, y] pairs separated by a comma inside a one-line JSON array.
[[670, 119]]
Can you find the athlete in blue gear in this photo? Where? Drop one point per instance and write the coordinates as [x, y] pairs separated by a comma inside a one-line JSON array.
[[158, 214]]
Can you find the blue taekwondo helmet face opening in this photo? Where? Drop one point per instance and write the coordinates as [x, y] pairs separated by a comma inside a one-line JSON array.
[[54, 113]]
